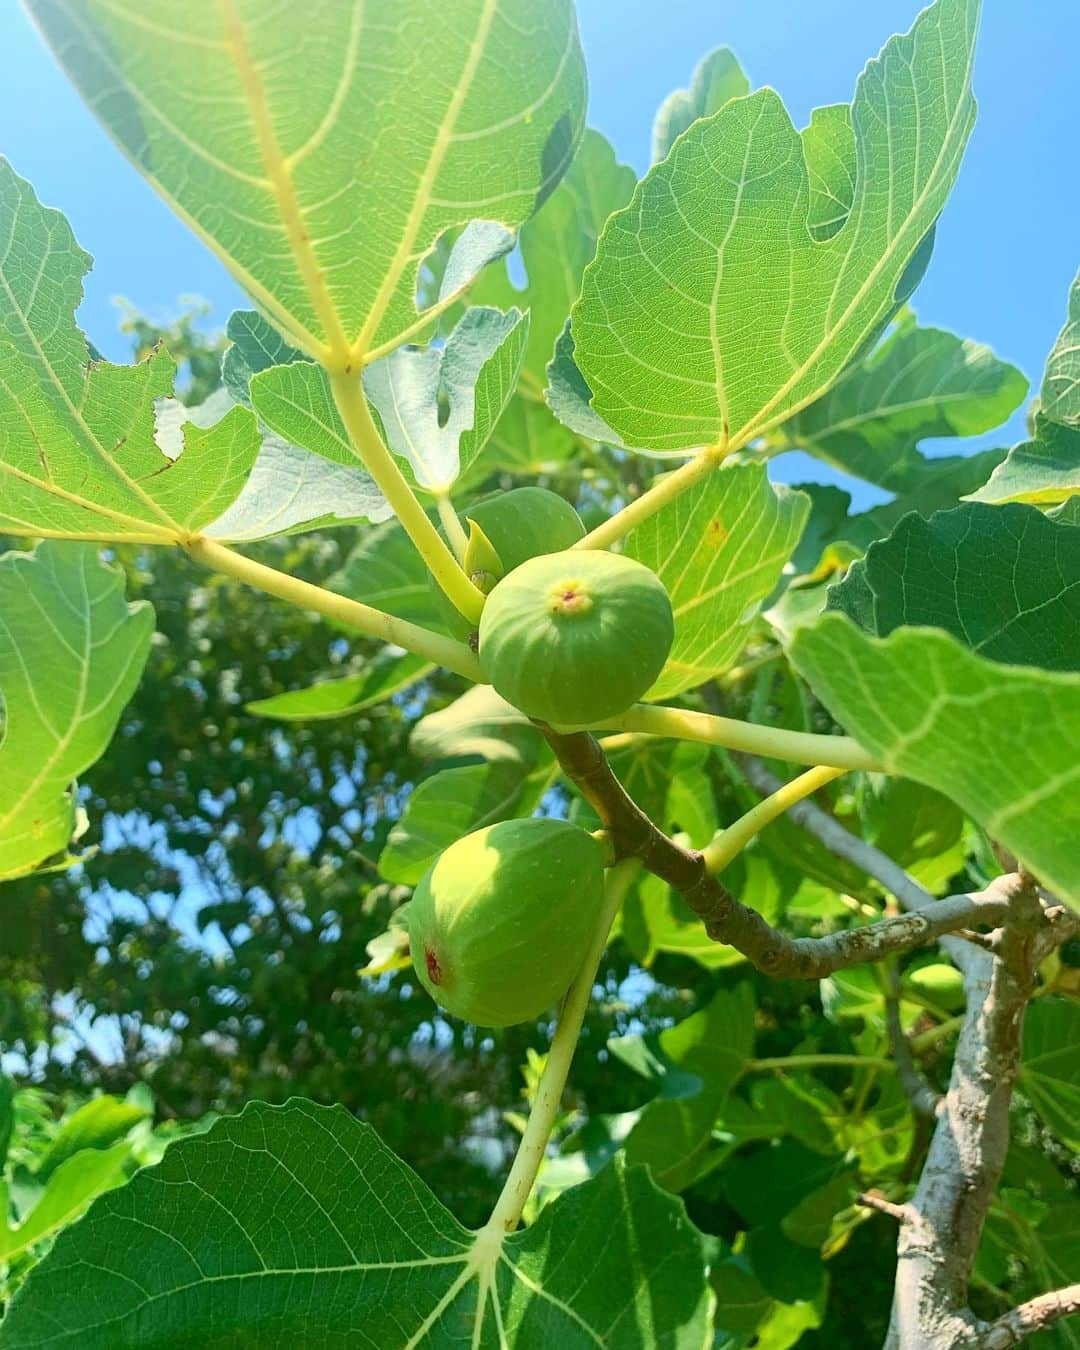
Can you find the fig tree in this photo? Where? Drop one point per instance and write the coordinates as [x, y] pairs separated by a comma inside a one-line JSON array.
[[499, 924], [574, 637], [520, 524]]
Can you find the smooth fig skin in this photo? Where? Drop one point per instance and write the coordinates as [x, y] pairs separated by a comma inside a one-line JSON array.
[[499, 924], [520, 524], [572, 638]]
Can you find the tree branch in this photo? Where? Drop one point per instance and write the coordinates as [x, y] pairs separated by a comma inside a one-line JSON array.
[[925, 1102], [634, 835], [1036, 1315]]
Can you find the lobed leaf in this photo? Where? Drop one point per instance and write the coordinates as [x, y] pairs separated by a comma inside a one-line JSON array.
[[80, 455], [715, 307], [297, 1224], [1002, 741], [442, 115]]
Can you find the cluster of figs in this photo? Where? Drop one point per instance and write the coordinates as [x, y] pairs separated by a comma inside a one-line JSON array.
[[499, 925]]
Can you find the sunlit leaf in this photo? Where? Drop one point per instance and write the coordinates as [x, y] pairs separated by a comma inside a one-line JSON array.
[[717, 78], [297, 1224], [712, 312], [79, 454], [71, 653], [445, 114], [439, 405], [719, 548]]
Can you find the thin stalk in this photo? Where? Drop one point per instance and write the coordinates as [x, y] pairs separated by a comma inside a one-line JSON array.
[[380, 463], [666, 490], [725, 844], [365, 619], [455, 533], [926, 1039], [750, 738], [816, 1062], [530, 1155]]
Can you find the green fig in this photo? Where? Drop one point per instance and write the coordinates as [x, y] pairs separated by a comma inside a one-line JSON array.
[[499, 924], [573, 638], [517, 525]]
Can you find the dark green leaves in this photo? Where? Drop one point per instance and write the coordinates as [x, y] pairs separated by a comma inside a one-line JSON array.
[[918, 383], [715, 306], [1004, 580], [71, 653], [296, 1223]]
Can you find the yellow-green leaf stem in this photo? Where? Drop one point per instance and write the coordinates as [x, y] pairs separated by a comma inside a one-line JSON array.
[[380, 463], [519, 1183], [795, 747], [666, 489], [365, 619], [455, 534], [726, 844]]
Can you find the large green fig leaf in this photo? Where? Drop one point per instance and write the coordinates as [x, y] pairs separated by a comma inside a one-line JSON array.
[[1001, 741], [727, 295], [71, 653], [79, 451], [297, 1225], [917, 383], [1046, 469], [719, 548], [1050, 1072], [243, 125], [1004, 580], [717, 79]]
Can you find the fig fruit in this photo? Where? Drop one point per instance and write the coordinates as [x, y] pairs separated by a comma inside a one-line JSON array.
[[519, 524], [572, 638], [499, 924]]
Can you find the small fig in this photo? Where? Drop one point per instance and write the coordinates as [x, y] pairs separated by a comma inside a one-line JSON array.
[[572, 638], [518, 525], [499, 924]]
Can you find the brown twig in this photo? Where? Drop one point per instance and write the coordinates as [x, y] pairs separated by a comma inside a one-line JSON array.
[[1037, 1314], [875, 1200], [726, 919]]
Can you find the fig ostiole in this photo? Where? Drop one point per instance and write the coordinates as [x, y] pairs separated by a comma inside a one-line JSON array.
[[499, 925], [575, 637], [504, 531]]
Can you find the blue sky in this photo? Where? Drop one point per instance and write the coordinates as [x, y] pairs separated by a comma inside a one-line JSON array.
[[1007, 248]]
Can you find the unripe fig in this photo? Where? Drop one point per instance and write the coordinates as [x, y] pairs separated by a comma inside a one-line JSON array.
[[499, 924], [572, 638], [519, 524]]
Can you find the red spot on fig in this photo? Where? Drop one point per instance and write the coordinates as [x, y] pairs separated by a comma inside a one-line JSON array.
[[434, 970]]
